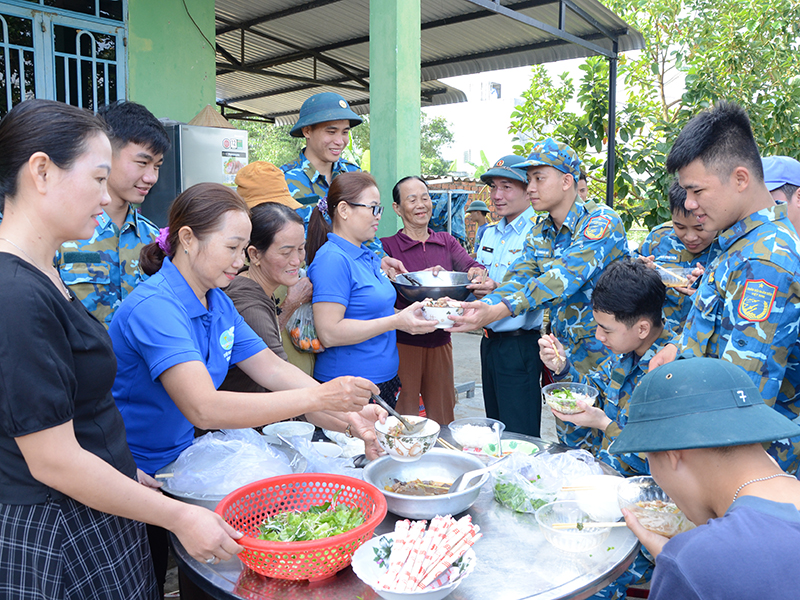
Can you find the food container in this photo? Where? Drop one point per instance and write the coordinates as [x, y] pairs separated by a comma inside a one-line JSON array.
[[437, 465], [366, 566], [248, 507], [327, 449], [651, 505], [403, 446], [475, 434], [450, 284], [674, 276], [288, 429], [441, 314], [565, 401], [573, 539], [597, 496]]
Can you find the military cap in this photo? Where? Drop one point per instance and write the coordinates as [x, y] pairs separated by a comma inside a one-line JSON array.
[[551, 153], [321, 108]]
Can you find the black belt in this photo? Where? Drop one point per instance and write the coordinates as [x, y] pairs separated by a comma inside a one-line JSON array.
[[506, 334]]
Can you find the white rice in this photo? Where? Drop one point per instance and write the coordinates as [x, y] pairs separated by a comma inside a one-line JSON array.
[[475, 436]]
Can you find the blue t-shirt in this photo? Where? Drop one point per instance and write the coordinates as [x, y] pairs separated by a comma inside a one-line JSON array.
[[159, 325], [751, 552], [351, 275]]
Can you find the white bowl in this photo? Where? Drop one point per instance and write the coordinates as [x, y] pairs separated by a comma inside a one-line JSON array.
[[327, 449], [402, 446], [288, 429], [599, 499], [568, 407], [367, 569], [441, 315]]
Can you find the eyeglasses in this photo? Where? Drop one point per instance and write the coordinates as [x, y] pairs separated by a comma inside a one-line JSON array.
[[377, 209]]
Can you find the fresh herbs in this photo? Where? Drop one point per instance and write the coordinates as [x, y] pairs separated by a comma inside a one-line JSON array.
[[514, 497], [325, 520]]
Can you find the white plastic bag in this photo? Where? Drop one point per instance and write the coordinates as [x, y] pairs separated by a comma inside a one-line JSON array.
[[524, 482], [223, 461]]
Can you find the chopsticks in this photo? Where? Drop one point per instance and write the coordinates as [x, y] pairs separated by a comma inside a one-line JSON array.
[[445, 444], [585, 525], [578, 488], [164, 475]]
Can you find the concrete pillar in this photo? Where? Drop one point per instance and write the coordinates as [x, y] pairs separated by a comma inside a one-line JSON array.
[[394, 82]]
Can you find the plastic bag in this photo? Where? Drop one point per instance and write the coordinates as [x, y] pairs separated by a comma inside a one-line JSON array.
[[223, 461], [524, 483], [301, 330], [317, 463]]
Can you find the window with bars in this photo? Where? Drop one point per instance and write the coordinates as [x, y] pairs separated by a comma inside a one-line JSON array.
[[62, 55]]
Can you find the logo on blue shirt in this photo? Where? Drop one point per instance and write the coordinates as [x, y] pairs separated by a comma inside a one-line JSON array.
[[226, 339]]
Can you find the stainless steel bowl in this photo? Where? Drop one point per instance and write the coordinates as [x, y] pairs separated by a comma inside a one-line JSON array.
[[451, 284], [435, 465]]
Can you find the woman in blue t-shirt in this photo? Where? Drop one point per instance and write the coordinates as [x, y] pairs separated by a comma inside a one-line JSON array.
[[353, 300], [177, 335]]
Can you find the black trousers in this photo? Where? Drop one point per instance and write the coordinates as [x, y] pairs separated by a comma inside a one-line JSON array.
[[511, 371]]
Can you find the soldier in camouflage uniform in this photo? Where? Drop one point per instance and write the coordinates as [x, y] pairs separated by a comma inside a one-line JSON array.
[[104, 269], [626, 303], [325, 121], [682, 243], [564, 254], [747, 307]]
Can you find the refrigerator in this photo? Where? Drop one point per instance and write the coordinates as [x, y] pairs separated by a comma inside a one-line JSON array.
[[197, 155]]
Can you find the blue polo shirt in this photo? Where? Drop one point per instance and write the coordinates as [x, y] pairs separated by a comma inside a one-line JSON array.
[[161, 324], [351, 275]]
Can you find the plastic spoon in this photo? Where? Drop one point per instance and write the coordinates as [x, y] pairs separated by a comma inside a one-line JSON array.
[[410, 428]]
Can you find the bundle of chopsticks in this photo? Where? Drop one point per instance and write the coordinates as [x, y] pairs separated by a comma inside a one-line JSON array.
[[419, 557]]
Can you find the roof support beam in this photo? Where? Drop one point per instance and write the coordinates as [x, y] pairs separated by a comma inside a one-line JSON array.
[[560, 33], [275, 15]]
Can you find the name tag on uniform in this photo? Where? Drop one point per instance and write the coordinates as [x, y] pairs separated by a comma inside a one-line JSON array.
[[487, 249], [89, 258]]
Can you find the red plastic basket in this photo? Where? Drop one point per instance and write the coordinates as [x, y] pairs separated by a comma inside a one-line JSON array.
[[246, 508]]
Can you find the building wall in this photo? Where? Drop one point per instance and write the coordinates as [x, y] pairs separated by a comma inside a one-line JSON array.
[[171, 67]]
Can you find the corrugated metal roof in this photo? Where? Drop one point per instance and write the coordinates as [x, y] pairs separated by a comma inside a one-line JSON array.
[[273, 54]]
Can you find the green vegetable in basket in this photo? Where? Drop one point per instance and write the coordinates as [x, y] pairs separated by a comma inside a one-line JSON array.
[[325, 520]]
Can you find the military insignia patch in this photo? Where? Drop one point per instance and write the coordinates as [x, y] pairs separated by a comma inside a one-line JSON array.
[[499, 163], [757, 300], [596, 227], [342, 103]]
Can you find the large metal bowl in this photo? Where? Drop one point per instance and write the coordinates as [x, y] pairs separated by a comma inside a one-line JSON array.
[[435, 465], [450, 284]]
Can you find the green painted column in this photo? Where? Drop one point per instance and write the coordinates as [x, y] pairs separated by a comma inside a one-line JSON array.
[[172, 63], [394, 83]]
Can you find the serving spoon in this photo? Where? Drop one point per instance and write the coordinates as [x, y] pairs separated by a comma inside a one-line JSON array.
[[410, 428], [462, 481]]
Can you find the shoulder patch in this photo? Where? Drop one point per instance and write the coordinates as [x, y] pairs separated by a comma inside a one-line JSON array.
[[596, 227], [757, 300]]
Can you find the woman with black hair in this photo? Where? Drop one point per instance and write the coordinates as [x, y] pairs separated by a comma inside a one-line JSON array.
[[71, 509]]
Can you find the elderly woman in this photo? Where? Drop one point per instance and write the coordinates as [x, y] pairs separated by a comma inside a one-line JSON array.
[[275, 252], [353, 300], [177, 335], [426, 361], [70, 505]]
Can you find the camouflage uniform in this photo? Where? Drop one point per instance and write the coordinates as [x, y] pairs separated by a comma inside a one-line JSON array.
[[558, 270], [104, 269], [616, 378], [306, 184], [747, 311], [669, 251]]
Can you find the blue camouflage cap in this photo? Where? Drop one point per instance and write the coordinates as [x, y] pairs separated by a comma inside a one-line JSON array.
[[551, 153], [698, 403], [321, 108], [503, 168], [780, 170]]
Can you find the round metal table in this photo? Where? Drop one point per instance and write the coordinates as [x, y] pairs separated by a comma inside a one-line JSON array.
[[514, 562]]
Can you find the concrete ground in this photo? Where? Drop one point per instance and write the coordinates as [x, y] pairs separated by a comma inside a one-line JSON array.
[[467, 366]]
